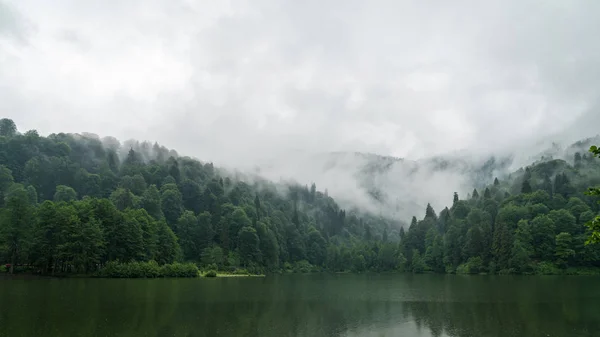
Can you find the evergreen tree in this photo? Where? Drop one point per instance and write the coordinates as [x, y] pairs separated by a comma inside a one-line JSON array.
[[15, 224], [487, 194], [526, 187]]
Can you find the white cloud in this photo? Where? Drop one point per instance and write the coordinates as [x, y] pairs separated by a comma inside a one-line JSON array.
[[235, 81]]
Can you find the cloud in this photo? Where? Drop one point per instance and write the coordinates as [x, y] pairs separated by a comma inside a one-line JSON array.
[[242, 82]]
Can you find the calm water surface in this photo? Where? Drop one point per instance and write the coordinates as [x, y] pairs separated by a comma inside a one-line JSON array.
[[303, 305]]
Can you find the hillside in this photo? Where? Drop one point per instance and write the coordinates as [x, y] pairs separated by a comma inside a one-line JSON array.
[[71, 203]]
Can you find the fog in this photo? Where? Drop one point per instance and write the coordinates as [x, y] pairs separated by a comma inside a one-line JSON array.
[[279, 85]]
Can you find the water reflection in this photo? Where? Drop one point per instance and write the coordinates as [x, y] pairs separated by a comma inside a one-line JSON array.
[[317, 305]]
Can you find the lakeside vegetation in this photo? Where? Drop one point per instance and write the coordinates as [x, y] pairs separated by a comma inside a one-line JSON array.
[[77, 204]]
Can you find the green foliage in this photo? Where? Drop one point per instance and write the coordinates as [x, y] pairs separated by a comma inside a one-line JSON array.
[[210, 273], [7, 128], [249, 249], [64, 193], [473, 266], [564, 251], [70, 204], [213, 256], [149, 269], [546, 268], [594, 225]]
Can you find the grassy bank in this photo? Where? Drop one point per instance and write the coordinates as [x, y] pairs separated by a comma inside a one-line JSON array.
[[235, 273]]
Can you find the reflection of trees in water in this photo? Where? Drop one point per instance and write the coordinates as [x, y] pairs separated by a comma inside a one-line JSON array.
[[506, 319], [295, 307]]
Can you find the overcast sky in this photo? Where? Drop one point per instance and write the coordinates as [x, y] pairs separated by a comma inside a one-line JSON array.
[[230, 80]]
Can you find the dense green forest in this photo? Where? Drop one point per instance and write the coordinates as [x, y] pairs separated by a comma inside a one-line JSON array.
[[534, 222], [73, 203]]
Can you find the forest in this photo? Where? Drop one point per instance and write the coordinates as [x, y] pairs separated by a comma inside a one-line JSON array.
[[79, 204]]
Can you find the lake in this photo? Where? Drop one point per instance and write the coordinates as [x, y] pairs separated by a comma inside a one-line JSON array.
[[303, 305]]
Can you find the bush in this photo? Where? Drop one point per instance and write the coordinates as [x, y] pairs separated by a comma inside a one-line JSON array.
[[463, 269], [149, 269], [210, 273], [179, 270], [3, 269], [303, 267], [473, 266], [546, 268], [240, 272]]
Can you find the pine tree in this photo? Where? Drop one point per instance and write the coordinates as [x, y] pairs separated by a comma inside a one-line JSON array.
[[257, 207], [430, 213], [577, 160], [525, 187]]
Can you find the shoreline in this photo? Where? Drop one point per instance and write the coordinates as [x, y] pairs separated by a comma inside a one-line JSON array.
[[586, 271]]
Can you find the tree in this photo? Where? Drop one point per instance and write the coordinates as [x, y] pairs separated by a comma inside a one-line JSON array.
[[82, 247], [186, 230], [8, 128], [316, 247], [64, 193], [418, 265], [434, 255], [151, 202], [46, 237], [564, 252], [191, 195], [130, 241], [6, 179], [171, 204], [32, 194], [122, 199], [520, 259], [542, 231], [430, 213], [522, 249], [594, 225], [502, 245], [212, 255], [249, 246], [269, 246], [203, 234], [168, 248], [15, 224], [577, 160], [526, 187], [496, 182]]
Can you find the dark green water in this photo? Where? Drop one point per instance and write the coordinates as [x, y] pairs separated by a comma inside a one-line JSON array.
[[303, 305]]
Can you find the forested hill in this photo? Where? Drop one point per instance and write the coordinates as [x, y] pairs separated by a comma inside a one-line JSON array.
[[69, 203], [532, 222]]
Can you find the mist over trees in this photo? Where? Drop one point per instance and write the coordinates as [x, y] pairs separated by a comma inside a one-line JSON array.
[[73, 203]]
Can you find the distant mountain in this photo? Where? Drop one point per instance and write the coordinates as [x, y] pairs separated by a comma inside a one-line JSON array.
[[400, 188]]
